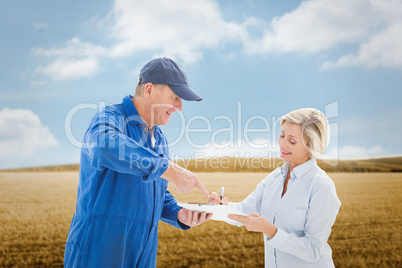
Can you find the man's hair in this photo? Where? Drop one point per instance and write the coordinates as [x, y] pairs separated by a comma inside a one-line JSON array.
[[315, 129], [139, 90]]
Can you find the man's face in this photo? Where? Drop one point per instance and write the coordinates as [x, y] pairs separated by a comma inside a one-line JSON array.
[[164, 103]]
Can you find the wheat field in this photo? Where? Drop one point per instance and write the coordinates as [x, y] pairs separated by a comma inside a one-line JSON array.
[[36, 209]]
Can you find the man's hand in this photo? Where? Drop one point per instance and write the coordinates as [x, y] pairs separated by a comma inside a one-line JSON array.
[[255, 222], [192, 218], [183, 180]]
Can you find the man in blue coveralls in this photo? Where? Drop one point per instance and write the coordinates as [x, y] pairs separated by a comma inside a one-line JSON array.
[[124, 173]]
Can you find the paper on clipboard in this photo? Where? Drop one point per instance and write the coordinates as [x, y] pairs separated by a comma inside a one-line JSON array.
[[219, 212]]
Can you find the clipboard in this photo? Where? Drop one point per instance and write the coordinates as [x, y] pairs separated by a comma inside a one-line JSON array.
[[219, 212]]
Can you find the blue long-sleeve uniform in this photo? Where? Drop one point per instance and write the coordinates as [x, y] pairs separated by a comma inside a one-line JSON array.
[[121, 196]]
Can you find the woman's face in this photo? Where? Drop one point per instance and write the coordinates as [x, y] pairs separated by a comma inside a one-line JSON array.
[[292, 145]]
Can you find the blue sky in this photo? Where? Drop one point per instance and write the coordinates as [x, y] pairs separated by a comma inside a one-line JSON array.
[[252, 61]]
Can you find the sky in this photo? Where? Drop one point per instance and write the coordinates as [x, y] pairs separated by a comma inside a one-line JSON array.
[[251, 60]]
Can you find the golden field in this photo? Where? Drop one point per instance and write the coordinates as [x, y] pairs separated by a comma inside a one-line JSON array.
[[255, 164], [36, 209]]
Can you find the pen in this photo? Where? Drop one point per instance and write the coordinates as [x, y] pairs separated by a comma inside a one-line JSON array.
[[222, 190]]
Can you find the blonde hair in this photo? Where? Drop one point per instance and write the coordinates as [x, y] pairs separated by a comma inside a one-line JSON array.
[[315, 129]]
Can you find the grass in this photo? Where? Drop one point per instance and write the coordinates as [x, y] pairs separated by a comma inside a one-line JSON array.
[[255, 164], [35, 213], [36, 209]]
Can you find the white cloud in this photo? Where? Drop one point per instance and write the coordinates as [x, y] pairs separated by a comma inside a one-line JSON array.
[[40, 26], [179, 29], [62, 69], [356, 152], [383, 49], [75, 60], [73, 48], [262, 148], [241, 148], [37, 83], [369, 131], [384, 125], [184, 30], [318, 26], [22, 133]]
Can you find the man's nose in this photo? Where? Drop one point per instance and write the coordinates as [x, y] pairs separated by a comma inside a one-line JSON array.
[[179, 106]]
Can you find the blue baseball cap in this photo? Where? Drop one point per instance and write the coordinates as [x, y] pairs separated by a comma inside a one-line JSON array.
[[165, 71]]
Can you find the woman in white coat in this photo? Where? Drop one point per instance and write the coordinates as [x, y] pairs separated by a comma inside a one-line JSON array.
[[296, 205]]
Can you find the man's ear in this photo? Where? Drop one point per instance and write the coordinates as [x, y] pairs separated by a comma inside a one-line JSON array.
[[148, 90]]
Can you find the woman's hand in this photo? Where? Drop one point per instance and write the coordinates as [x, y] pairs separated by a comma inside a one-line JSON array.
[[215, 199], [255, 222]]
